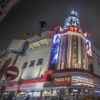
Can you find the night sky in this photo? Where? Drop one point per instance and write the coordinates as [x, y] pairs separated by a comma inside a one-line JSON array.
[[25, 16]]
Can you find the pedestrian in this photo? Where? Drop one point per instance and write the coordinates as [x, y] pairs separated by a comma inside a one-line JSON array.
[[27, 97], [11, 96]]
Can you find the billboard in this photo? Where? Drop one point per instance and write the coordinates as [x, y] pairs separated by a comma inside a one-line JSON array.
[[16, 45]]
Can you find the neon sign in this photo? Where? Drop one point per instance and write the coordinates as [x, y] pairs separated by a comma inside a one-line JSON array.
[[55, 49], [75, 90], [82, 81], [97, 91], [62, 80], [74, 29], [74, 13], [72, 20]]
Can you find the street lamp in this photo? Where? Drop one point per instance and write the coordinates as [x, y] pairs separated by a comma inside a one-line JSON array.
[[20, 81]]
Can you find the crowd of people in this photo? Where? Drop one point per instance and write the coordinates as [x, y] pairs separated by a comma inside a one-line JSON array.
[[29, 96]]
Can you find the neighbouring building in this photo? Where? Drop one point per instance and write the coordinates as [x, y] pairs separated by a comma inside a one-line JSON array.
[[5, 7]]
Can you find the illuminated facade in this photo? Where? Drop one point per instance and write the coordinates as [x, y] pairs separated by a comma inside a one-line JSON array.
[[71, 47], [62, 58], [72, 56]]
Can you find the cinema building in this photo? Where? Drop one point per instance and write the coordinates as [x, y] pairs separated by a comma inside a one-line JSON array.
[[61, 60]]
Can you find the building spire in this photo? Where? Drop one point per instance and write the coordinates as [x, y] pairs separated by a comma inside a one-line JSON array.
[[72, 20]]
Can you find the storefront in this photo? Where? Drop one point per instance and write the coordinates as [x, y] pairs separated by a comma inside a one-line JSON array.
[[72, 84]]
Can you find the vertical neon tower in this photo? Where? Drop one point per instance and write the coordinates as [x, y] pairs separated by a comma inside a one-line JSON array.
[[71, 48], [72, 20]]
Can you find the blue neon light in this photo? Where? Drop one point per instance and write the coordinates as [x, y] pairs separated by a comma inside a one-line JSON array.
[[97, 91], [55, 49], [72, 20], [75, 90], [86, 90], [97, 84]]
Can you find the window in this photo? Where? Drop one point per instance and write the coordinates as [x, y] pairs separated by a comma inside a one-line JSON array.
[[25, 65], [32, 63], [40, 61]]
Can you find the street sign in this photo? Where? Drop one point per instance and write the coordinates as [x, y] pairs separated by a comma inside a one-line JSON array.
[[12, 72]]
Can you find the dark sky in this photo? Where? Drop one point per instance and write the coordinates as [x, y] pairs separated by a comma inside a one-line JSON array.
[[25, 16]]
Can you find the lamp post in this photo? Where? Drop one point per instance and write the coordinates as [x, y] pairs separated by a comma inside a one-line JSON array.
[[20, 81]]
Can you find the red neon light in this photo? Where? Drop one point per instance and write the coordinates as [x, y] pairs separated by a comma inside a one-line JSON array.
[[34, 80], [49, 72], [57, 28], [62, 81], [47, 77], [87, 34], [75, 70], [51, 33], [74, 29]]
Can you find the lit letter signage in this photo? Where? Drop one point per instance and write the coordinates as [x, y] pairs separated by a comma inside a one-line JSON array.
[[82, 81]]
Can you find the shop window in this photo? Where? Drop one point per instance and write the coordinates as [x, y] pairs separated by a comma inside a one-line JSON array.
[[25, 65], [40, 61], [32, 63]]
